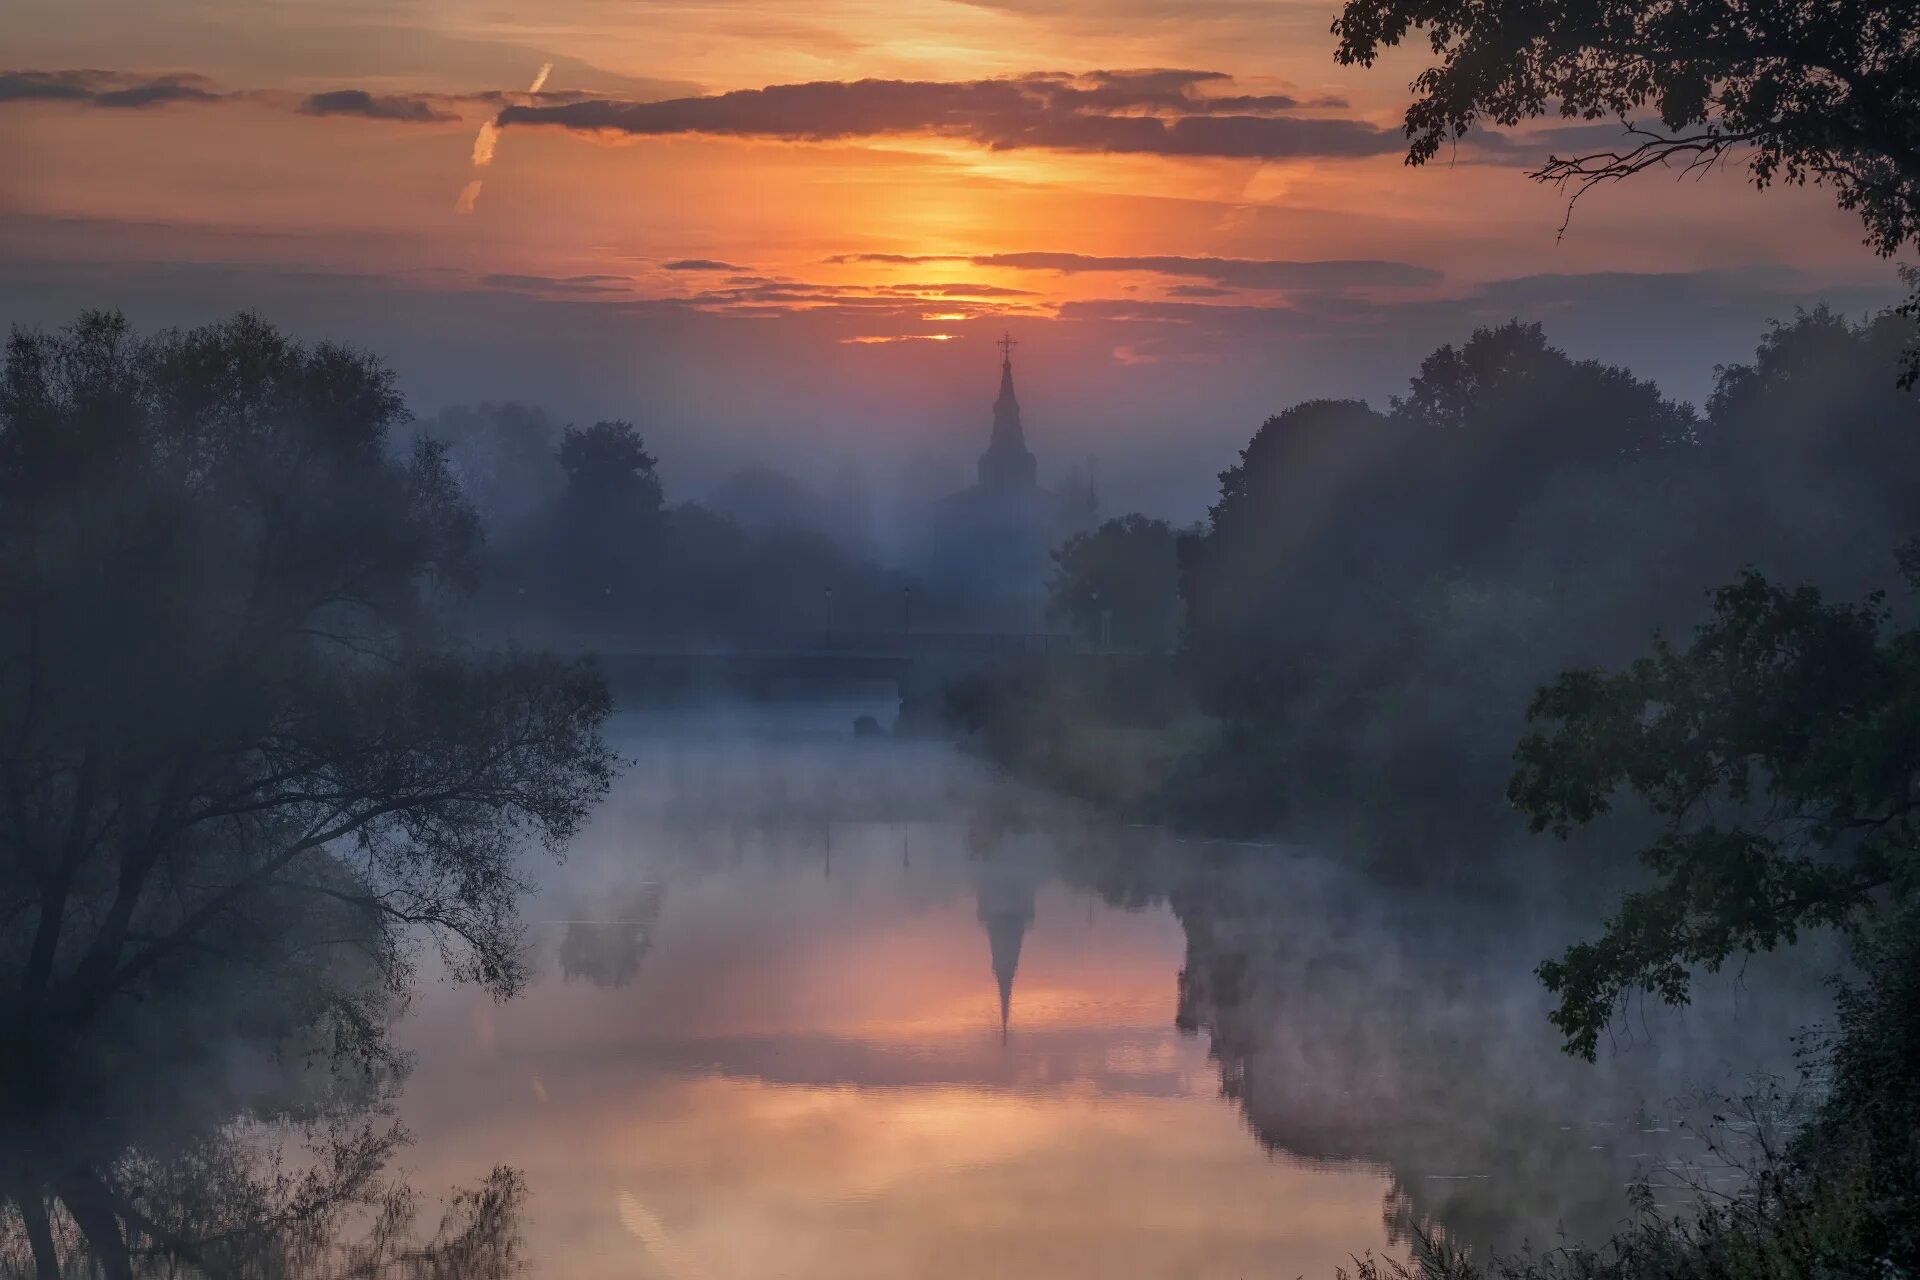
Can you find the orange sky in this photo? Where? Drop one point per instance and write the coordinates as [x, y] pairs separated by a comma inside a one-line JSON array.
[[556, 286]]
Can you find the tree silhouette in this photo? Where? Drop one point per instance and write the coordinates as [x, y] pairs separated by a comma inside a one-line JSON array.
[[1821, 91], [242, 772], [1779, 750], [1121, 583], [608, 526], [609, 462]]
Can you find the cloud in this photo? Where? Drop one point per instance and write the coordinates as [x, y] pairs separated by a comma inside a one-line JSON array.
[[957, 290], [1244, 273], [587, 284], [358, 102], [105, 88], [701, 264], [1161, 112]]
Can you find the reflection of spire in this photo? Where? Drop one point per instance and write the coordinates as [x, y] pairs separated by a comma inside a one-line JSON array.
[[1006, 909]]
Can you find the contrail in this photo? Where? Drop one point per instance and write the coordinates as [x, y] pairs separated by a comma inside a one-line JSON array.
[[487, 141]]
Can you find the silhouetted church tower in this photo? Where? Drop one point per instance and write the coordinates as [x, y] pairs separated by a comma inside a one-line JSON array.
[[1007, 466], [988, 547]]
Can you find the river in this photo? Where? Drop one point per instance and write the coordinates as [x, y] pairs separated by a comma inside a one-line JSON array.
[[812, 1006]]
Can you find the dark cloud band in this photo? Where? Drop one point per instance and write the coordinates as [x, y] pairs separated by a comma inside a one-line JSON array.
[[1145, 113], [1243, 273], [358, 102], [105, 88]]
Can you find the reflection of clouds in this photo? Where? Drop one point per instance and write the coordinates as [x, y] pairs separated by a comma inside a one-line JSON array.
[[746, 1179], [805, 1077]]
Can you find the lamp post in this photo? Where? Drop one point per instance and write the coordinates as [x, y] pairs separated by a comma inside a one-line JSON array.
[[829, 617], [906, 611]]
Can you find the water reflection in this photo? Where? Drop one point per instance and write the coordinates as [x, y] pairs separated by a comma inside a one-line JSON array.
[[812, 1006], [607, 951], [856, 1009]]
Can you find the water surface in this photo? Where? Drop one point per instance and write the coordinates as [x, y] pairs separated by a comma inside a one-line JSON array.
[[816, 1007]]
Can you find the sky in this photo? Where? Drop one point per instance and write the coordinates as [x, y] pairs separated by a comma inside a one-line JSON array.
[[782, 232]]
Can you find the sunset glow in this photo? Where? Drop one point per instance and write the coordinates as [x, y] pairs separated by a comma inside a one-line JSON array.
[[838, 179]]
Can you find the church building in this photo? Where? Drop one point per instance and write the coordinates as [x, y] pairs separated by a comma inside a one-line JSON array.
[[993, 540]]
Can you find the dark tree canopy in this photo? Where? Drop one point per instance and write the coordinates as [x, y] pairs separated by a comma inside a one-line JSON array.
[[1120, 583], [1376, 595], [1780, 750], [609, 461], [1821, 91], [242, 771], [1544, 405]]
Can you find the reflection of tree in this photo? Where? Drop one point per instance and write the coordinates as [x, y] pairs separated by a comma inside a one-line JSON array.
[[227, 1205], [1354, 1022], [607, 953]]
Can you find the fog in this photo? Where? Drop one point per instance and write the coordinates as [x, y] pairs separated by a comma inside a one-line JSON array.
[[1218, 1059], [502, 853]]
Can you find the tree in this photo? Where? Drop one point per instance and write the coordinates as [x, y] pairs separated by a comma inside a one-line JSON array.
[[1538, 406], [608, 462], [1781, 752], [1126, 572], [243, 773], [1822, 91], [609, 525]]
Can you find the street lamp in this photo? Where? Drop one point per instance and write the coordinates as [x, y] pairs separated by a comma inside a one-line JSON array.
[[906, 611], [829, 617]]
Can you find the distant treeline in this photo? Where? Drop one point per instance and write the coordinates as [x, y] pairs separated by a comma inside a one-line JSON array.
[[1376, 594], [584, 544]]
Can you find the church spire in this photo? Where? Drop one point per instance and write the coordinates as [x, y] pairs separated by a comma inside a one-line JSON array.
[[1007, 464]]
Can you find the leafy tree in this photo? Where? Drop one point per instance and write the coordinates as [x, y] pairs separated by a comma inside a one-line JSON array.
[[608, 526], [1822, 91], [243, 774], [608, 462], [1121, 580], [1781, 752], [1538, 404]]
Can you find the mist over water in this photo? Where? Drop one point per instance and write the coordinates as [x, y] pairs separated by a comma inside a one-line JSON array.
[[765, 1037]]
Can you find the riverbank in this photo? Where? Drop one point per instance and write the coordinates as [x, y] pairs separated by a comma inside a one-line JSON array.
[[1127, 735]]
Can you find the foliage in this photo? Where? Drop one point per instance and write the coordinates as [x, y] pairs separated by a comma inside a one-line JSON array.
[[242, 772], [1375, 596], [1119, 584], [1105, 728], [1373, 593], [1821, 91], [1820, 1196], [230, 1206], [1781, 751], [586, 550], [608, 462]]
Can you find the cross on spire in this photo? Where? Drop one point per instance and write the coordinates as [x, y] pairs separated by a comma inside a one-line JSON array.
[[1006, 344]]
